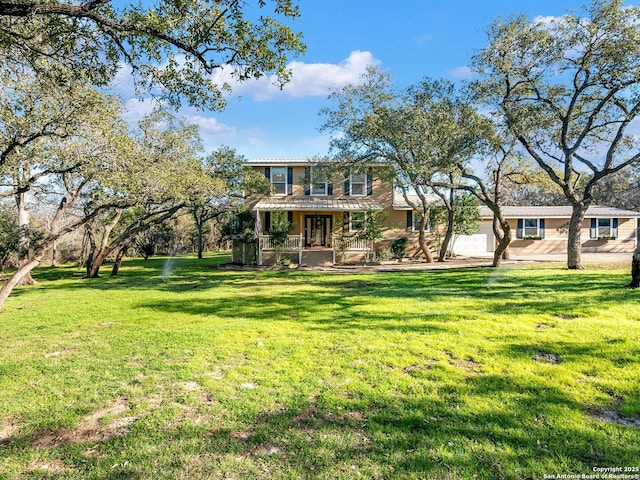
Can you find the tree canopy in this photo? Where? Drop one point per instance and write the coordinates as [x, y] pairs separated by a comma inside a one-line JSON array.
[[172, 47], [569, 91], [421, 133]]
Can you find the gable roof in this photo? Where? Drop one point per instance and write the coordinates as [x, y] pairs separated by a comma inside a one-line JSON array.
[[559, 211]]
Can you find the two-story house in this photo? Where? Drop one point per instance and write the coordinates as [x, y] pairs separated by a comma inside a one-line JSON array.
[[324, 213], [319, 210]]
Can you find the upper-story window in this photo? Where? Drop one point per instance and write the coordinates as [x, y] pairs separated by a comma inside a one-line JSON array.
[[358, 184], [319, 184], [279, 180]]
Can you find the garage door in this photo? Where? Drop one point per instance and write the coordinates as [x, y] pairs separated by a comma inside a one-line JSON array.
[[470, 244]]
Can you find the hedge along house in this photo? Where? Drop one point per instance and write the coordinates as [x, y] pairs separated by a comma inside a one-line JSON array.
[[326, 216], [544, 229]]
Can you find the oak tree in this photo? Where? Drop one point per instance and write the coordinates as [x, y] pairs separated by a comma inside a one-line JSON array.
[[569, 90], [171, 47]]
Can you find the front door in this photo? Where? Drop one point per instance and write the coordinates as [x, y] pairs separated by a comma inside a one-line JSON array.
[[317, 230]]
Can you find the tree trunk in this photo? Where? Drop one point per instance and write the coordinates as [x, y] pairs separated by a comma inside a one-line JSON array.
[[448, 234], [635, 269], [497, 231], [118, 262], [105, 248], [503, 246], [422, 241], [17, 277], [91, 250], [98, 260], [54, 254], [199, 227], [23, 238], [574, 247]]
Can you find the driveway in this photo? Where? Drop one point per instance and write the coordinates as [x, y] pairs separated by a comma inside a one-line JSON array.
[[562, 257]]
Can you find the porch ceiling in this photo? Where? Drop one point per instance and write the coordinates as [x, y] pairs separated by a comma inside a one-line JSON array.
[[300, 204]]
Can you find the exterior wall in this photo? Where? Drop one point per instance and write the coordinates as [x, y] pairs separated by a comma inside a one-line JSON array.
[[556, 237], [382, 192]]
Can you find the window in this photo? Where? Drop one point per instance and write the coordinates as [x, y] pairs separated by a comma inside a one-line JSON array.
[[319, 185], [279, 181], [357, 221], [358, 184], [413, 221], [530, 228], [604, 228]]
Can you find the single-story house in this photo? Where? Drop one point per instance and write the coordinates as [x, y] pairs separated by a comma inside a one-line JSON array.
[[545, 229]]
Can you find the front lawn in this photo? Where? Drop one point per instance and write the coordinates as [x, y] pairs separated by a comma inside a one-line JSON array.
[[478, 373]]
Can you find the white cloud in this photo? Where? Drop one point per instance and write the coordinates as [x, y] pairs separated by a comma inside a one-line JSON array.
[[123, 80], [546, 19], [136, 108], [307, 79], [462, 73], [211, 126]]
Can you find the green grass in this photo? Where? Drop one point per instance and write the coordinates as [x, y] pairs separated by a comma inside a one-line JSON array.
[[467, 373]]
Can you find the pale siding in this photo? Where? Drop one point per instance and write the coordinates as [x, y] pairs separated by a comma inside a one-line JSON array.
[[556, 237]]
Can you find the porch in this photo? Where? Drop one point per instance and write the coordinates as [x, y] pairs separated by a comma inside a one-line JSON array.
[[321, 230], [342, 249]]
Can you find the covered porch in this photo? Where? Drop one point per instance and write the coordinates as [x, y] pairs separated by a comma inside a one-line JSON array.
[[321, 229]]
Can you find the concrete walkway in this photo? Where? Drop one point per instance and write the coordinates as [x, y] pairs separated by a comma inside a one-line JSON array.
[[589, 259], [562, 257]]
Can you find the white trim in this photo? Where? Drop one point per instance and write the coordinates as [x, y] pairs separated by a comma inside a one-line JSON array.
[[364, 221], [363, 183], [273, 184], [415, 225], [524, 227], [312, 182]]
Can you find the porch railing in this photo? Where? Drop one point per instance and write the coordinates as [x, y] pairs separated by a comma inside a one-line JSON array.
[[294, 243], [347, 244]]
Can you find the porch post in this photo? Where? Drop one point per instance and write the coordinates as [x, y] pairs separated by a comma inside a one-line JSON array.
[[300, 250], [257, 233], [333, 242]]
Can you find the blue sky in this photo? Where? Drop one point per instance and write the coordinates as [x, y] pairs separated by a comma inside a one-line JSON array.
[[409, 38]]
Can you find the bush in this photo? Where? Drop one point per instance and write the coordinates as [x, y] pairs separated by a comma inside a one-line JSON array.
[[399, 248]]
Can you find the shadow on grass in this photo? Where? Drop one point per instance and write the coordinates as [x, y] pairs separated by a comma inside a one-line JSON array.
[[341, 301], [391, 436]]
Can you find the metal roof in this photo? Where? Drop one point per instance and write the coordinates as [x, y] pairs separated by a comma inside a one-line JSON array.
[[281, 162], [317, 204], [558, 212], [399, 202], [293, 162]]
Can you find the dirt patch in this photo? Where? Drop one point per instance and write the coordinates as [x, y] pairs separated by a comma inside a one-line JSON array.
[[51, 466], [544, 357], [542, 326], [414, 369], [612, 416], [191, 386], [91, 428], [566, 316], [8, 428], [468, 366]]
